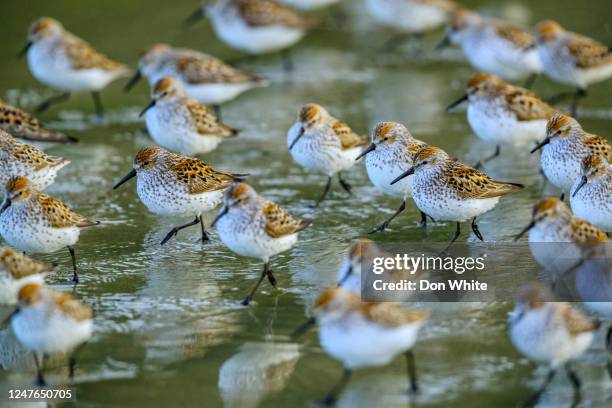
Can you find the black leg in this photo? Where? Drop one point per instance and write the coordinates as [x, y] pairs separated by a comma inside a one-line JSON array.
[[270, 275], [40, 368], [332, 396], [562, 197], [418, 43], [249, 297], [205, 237], [530, 81], [175, 230], [476, 230], [345, 185], [98, 105], [75, 275], [287, 61], [533, 400], [382, 227], [394, 42], [72, 361], [412, 375], [580, 93], [43, 106], [571, 374], [324, 194], [488, 159], [457, 233], [217, 109]]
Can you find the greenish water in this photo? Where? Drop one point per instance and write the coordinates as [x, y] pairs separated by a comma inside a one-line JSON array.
[[169, 328]]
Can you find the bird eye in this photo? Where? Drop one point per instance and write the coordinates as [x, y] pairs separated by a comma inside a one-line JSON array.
[[145, 163]]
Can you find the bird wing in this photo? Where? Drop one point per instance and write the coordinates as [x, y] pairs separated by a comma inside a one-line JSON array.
[[471, 183], [265, 13], [72, 307], [280, 223], [200, 177], [204, 68], [59, 215], [348, 138], [84, 56], [515, 35], [20, 266], [33, 156], [392, 315], [599, 145], [20, 124], [575, 321], [527, 106], [206, 122], [586, 233], [587, 52]]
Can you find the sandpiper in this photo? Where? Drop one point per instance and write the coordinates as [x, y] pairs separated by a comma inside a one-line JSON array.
[[61, 60], [494, 46], [448, 190], [252, 226], [20, 159], [18, 270], [558, 239], [391, 153], [572, 59], [171, 184], [348, 329], [34, 222], [549, 332], [565, 146], [591, 195], [180, 123], [502, 113], [205, 78], [412, 18], [48, 322], [254, 26], [28, 129], [321, 143]]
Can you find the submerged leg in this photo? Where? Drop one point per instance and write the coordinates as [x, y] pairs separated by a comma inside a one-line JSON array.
[[324, 194], [457, 233], [345, 185], [331, 397], [488, 159], [476, 230], [98, 105], [270, 275], [249, 297], [288, 65], [44, 105], [175, 230], [412, 375], [382, 227], [40, 368], [533, 400], [75, 275], [205, 237]]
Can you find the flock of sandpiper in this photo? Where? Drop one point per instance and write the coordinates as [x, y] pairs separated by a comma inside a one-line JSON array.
[[172, 182]]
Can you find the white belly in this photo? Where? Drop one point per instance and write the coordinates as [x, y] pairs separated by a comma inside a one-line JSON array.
[[451, 209], [217, 94], [496, 125], [381, 175], [406, 15], [40, 179], [593, 206], [168, 201]]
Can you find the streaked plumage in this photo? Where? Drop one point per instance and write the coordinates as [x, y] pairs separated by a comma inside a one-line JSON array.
[[321, 143], [51, 322], [28, 129], [494, 46], [253, 226], [391, 153], [549, 332], [565, 146], [256, 26], [34, 222], [17, 270], [20, 159], [570, 58], [591, 194], [365, 334], [499, 112], [180, 123], [309, 5], [205, 78], [410, 16]]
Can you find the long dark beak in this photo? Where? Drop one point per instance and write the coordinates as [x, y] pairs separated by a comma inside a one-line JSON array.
[[443, 44], [303, 328], [6, 204], [345, 277], [133, 81], [297, 138], [524, 231], [127, 177], [24, 50], [541, 145], [223, 212], [193, 18], [403, 175], [583, 181], [457, 102], [367, 150], [149, 106]]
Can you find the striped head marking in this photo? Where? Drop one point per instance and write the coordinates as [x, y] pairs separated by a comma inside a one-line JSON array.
[[18, 188], [548, 209], [594, 165], [429, 156], [311, 114], [548, 31], [462, 19], [153, 54], [147, 157], [239, 194], [167, 87], [561, 125], [334, 302], [483, 83], [533, 296], [44, 27], [30, 294], [358, 247], [389, 132]]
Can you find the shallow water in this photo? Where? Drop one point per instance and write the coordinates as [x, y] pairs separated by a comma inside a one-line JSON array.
[[169, 328]]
